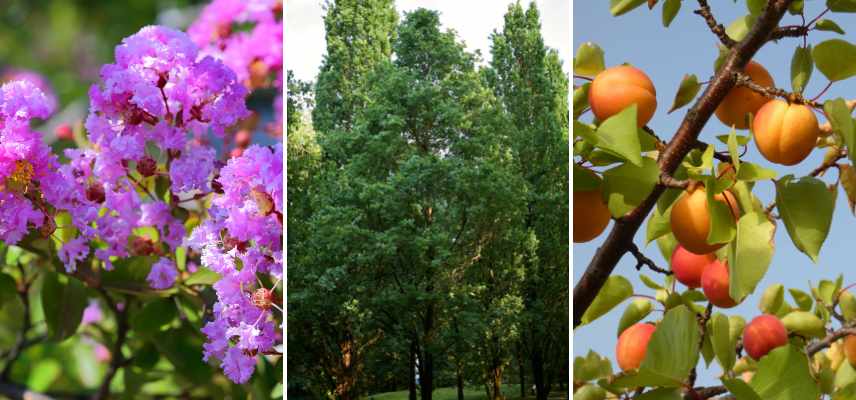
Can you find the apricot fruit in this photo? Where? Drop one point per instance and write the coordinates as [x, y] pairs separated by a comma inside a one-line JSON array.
[[741, 101], [850, 349], [632, 345], [785, 133], [690, 220], [688, 267], [591, 216], [715, 283], [616, 88], [763, 334]]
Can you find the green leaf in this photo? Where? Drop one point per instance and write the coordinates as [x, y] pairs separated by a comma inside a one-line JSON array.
[[687, 91], [802, 299], [627, 185], [619, 7], [753, 172], [825, 290], [635, 312], [806, 206], [772, 299], [581, 101], [661, 394], [183, 348], [835, 58], [616, 289], [619, 135], [585, 180], [588, 60], [591, 367], [670, 10], [658, 225], [784, 374], [590, 392], [841, 5], [845, 375], [741, 390], [650, 283], [129, 275], [732, 149], [63, 301], [846, 393], [801, 68], [750, 254], [847, 177], [722, 226], [673, 349], [839, 117], [742, 140], [796, 7], [805, 323], [828, 25], [848, 306], [667, 244], [736, 324], [738, 29], [755, 6], [155, 315], [721, 340]]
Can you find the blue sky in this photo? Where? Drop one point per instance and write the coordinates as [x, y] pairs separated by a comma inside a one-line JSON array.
[[666, 54]]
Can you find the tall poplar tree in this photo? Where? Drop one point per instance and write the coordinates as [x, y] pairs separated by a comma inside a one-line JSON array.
[[528, 79]]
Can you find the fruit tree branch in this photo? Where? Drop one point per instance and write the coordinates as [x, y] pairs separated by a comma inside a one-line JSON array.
[[621, 236], [789, 31], [772, 92], [643, 261], [829, 339], [715, 27]]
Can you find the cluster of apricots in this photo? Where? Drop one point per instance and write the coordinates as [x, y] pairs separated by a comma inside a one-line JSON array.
[[784, 133]]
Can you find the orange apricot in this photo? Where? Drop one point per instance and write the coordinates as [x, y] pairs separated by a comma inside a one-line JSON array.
[[785, 133], [742, 101], [690, 220], [688, 267], [632, 345], [616, 88], [715, 283], [763, 334]]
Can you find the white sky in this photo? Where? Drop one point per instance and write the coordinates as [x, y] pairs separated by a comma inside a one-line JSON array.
[[473, 20]]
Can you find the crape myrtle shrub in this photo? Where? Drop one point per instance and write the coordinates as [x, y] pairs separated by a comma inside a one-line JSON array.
[[140, 239], [678, 336]]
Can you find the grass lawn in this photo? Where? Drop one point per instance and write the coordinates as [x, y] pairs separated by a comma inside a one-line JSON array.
[[511, 392]]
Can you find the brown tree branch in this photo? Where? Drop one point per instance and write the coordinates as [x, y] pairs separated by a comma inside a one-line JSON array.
[[715, 27], [827, 341], [789, 31], [117, 360], [621, 235], [643, 261]]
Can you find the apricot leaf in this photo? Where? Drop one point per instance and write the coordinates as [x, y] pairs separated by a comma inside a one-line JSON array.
[[585, 180], [806, 207], [722, 227], [754, 172], [835, 58], [619, 7], [738, 29], [801, 68], [845, 375], [592, 366], [627, 185], [721, 341], [839, 117], [841, 5], [736, 324], [662, 394], [635, 311], [616, 289], [847, 177], [784, 374], [687, 91], [804, 323], [619, 135], [749, 255], [740, 389], [755, 6], [670, 10], [658, 225], [667, 244], [588, 60], [848, 306], [581, 101], [732, 149], [802, 299], [828, 25], [772, 299], [742, 140], [673, 349], [590, 392]]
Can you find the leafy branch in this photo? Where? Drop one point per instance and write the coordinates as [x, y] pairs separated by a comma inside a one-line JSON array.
[[621, 237]]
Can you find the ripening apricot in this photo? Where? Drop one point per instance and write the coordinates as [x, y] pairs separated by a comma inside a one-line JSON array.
[[850, 349], [763, 334], [632, 345], [715, 284], [688, 266], [591, 216], [742, 101], [690, 220], [616, 88], [785, 133]]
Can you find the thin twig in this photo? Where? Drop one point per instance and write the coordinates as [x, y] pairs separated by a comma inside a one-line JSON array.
[[715, 27], [773, 92], [117, 361], [642, 261]]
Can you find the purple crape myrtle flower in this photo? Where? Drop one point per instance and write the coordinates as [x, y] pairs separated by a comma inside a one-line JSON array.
[[162, 275], [27, 166], [37, 79], [92, 313], [244, 228]]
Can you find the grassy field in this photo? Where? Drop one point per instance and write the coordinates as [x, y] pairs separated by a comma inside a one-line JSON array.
[[511, 392]]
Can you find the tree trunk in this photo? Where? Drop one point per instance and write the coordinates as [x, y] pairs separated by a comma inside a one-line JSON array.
[[414, 348], [426, 362], [460, 384], [538, 374], [522, 372], [346, 379], [496, 380]]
